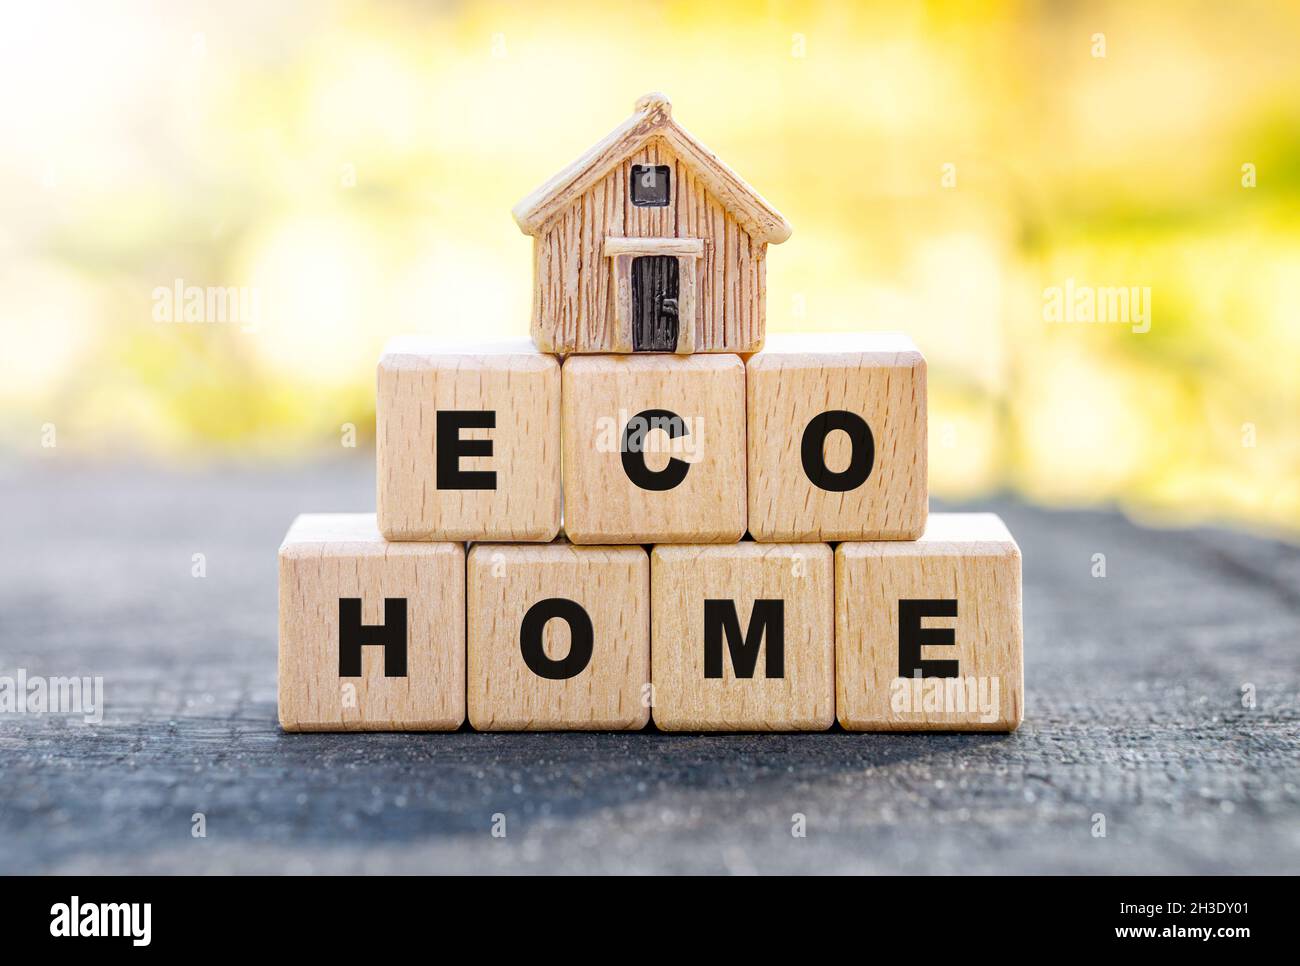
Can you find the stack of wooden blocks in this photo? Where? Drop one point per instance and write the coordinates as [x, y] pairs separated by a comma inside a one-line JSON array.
[[646, 514]]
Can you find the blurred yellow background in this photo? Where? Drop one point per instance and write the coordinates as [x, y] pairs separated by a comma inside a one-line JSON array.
[[950, 169]]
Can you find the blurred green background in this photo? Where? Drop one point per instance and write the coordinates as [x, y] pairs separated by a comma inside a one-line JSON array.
[[949, 169]]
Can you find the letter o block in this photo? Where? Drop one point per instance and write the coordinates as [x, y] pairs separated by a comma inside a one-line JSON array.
[[654, 449], [558, 637], [372, 634], [928, 634], [468, 441], [743, 637], [837, 438]]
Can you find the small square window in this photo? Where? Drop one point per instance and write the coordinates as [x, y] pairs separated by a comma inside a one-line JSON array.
[[650, 185]]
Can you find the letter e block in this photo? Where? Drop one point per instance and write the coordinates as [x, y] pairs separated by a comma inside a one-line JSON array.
[[559, 637], [743, 637], [654, 449], [928, 634], [372, 634], [468, 441], [837, 438]]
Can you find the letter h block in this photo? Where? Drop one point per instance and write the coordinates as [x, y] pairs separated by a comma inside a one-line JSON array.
[[468, 442], [928, 634], [654, 449], [372, 634], [742, 637], [837, 438], [558, 637]]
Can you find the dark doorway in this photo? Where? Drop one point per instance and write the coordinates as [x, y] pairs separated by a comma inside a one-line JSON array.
[[654, 303]]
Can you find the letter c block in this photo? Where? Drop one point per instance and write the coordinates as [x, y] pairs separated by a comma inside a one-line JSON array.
[[654, 448]]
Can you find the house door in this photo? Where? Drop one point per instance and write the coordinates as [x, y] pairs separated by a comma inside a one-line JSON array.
[[654, 303]]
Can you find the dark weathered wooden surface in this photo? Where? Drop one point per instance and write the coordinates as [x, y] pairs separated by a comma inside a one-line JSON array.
[[1134, 711]]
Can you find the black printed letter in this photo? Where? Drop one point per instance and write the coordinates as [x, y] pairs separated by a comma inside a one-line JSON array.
[[912, 637], [354, 635], [580, 638], [451, 448], [634, 435], [768, 616], [861, 460]]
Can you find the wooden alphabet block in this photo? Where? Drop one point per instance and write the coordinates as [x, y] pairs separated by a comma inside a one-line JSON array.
[[928, 634], [468, 441], [742, 637], [372, 634], [654, 449], [837, 438], [559, 637]]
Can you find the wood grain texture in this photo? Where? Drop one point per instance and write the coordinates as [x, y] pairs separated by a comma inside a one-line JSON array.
[[418, 377], [880, 377], [584, 221], [557, 280], [654, 246], [967, 557], [603, 219], [651, 119], [600, 395], [328, 556], [1134, 707], [799, 575], [612, 584]]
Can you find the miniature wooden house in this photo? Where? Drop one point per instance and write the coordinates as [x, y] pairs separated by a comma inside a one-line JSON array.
[[649, 243]]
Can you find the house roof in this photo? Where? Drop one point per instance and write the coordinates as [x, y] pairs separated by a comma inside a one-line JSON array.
[[653, 118]]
